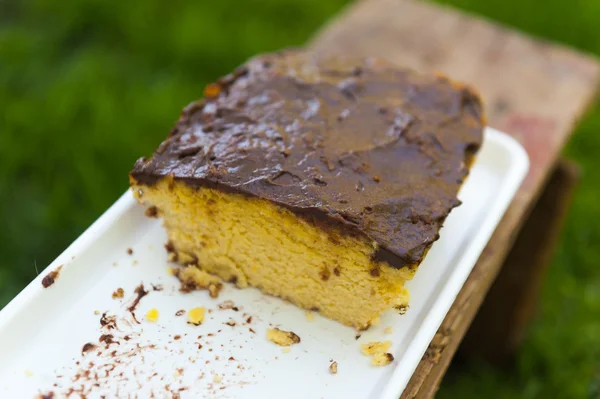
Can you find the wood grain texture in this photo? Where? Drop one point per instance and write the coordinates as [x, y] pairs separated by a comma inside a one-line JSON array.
[[533, 90]]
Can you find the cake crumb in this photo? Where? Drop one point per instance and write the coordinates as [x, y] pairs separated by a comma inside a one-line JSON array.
[[375, 347], [287, 349], [28, 373], [118, 293], [382, 359], [402, 309], [333, 368], [171, 271], [196, 316], [310, 316], [214, 289], [193, 278], [281, 337], [217, 378], [96, 312], [388, 330], [226, 305], [152, 315]]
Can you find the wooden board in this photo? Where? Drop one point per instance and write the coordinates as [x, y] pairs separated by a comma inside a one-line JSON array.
[[533, 90], [503, 319]]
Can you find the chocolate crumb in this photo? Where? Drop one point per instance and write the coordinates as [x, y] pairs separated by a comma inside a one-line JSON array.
[[170, 247], [88, 347], [324, 273], [151, 212], [108, 339], [129, 251], [51, 277], [48, 280], [157, 287], [252, 331], [357, 336], [140, 292], [336, 271], [231, 358], [249, 319], [375, 272], [180, 312], [177, 337], [109, 322], [49, 395], [230, 323]]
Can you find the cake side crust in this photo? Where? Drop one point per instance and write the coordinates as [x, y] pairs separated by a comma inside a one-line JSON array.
[[253, 242]]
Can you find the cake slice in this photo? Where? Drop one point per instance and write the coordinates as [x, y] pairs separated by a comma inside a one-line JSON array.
[[321, 181]]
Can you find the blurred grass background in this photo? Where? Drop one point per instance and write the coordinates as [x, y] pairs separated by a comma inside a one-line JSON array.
[[88, 86]]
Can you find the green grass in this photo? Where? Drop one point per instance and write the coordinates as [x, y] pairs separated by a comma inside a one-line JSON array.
[[88, 86]]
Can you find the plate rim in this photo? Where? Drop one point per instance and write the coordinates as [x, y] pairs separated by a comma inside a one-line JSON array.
[[418, 343]]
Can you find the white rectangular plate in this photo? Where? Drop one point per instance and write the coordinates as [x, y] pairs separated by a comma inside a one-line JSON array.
[[43, 330]]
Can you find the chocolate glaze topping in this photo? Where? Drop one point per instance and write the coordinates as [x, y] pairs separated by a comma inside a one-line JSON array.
[[380, 150]]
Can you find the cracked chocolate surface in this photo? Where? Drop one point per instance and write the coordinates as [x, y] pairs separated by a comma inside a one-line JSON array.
[[379, 150]]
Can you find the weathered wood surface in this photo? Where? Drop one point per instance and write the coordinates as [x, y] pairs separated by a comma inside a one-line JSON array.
[[533, 90], [512, 300]]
